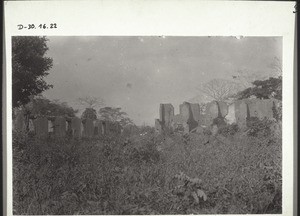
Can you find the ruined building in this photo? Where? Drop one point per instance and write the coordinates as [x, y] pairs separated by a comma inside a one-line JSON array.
[[190, 116]]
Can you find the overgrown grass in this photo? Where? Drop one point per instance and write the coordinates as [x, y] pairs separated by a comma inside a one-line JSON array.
[[137, 174]]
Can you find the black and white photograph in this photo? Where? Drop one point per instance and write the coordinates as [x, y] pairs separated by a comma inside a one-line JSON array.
[[156, 124], [147, 125]]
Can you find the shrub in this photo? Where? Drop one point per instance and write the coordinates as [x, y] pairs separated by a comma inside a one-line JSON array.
[[277, 111], [104, 176], [189, 188], [229, 129], [219, 121], [259, 128]]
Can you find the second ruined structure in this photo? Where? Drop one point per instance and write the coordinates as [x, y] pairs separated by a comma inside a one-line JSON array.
[[191, 116]]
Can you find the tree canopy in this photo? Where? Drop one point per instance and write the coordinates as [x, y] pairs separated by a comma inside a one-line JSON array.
[[115, 115], [89, 113], [29, 67], [43, 106], [264, 89]]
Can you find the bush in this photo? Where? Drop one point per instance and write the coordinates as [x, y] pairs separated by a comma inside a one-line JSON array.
[[128, 175], [229, 129], [219, 121], [88, 176], [259, 128], [277, 111]]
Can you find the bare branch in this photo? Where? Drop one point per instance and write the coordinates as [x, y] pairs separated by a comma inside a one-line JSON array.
[[219, 89], [91, 102]]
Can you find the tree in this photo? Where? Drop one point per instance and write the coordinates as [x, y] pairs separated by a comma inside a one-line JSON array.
[[29, 67], [45, 107], [91, 102], [89, 113], [115, 115], [219, 89], [264, 89]]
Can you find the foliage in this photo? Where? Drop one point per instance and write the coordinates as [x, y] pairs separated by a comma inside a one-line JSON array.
[[115, 115], [259, 128], [44, 106], [239, 174], [228, 129], [219, 121], [264, 89], [66, 176], [189, 188], [89, 113], [29, 67], [145, 129], [277, 111], [139, 175]]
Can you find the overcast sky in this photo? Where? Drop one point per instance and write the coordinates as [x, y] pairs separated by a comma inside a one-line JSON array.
[[139, 73]]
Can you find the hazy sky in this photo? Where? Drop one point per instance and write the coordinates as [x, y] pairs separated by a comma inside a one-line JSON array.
[[139, 73]]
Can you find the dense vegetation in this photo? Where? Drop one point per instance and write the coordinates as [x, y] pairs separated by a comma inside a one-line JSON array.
[[264, 89], [146, 173], [44, 106], [29, 67]]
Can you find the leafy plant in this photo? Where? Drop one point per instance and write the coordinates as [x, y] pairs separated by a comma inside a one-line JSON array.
[[128, 175], [189, 188], [219, 121], [264, 89], [229, 129], [89, 113], [258, 128], [29, 67]]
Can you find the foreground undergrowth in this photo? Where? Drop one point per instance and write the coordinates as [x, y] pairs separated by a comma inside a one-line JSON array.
[[147, 174]]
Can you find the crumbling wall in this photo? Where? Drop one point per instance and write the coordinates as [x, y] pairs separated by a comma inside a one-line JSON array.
[[238, 112], [214, 110], [97, 127], [177, 123], [261, 108], [41, 127], [76, 126], [195, 111], [88, 126], [241, 113], [230, 117], [223, 108], [60, 126], [166, 115], [187, 115]]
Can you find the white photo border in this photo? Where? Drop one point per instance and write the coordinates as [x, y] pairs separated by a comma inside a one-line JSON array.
[[165, 17]]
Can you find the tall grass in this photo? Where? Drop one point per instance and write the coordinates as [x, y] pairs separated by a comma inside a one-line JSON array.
[[135, 175]]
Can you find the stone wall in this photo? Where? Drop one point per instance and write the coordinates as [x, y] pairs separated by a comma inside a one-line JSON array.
[[190, 116], [60, 126], [41, 126], [166, 115]]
